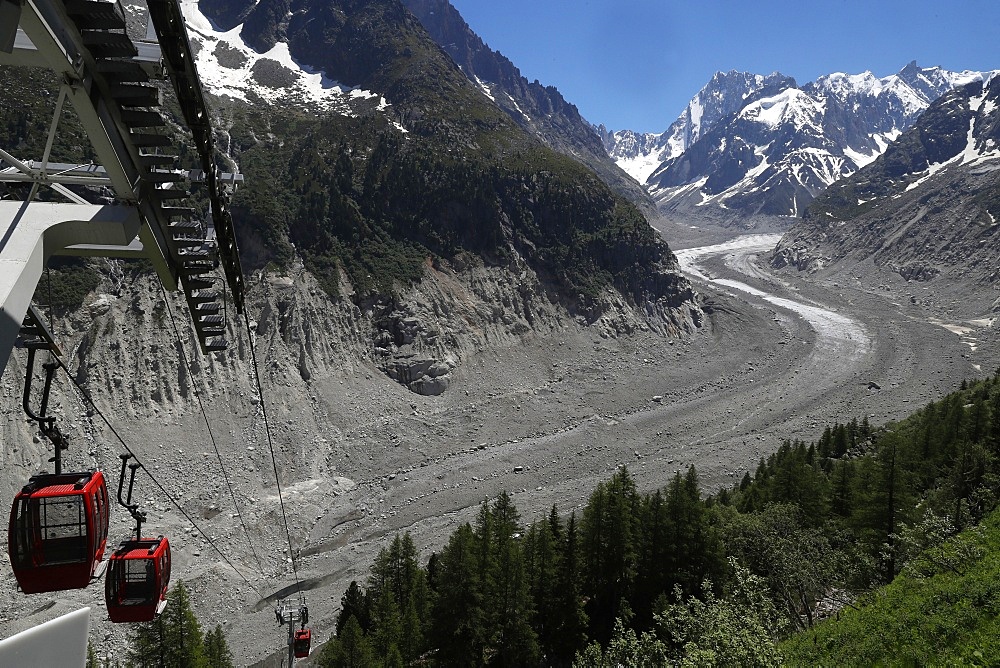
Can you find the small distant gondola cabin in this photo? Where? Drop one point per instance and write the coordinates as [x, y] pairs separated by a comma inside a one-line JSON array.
[[303, 638], [58, 531], [135, 588]]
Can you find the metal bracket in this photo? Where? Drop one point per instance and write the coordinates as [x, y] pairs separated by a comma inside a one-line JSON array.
[[132, 508], [46, 423]]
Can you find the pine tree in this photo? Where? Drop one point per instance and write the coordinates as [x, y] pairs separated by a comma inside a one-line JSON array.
[[386, 627], [841, 489], [217, 653], [183, 631], [697, 552], [569, 619], [350, 649], [352, 604], [397, 600], [172, 640], [609, 537], [993, 424], [459, 619], [657, 545], [541, 557], [509, 606], [147, 646], [893, 497]]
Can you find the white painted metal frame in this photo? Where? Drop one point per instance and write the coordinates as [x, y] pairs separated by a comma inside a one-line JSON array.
[[135, 226]]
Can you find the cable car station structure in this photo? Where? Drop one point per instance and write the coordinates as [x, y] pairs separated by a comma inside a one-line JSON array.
[[108, 79], [128, 203]]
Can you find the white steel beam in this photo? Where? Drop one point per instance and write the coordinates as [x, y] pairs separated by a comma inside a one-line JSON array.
[[59, 642], [40, 230]]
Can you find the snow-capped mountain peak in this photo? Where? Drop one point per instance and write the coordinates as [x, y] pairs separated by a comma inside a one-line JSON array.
[[640, 154], [843, 85], [764, 145], [789, 106]]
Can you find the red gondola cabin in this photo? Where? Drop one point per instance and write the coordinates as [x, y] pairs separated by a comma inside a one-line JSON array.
[[58, 530], [303, 638], [135, 588]]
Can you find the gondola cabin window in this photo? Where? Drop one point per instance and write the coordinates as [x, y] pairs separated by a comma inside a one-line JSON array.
[[64, 529]]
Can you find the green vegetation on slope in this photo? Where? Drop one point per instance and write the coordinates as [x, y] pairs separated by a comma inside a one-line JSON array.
[[358, 196], [362, 199], [943, 610]]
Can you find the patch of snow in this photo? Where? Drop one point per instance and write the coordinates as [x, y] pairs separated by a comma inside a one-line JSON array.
[[791, 105], [696, 112], [934, 169], [238, 81], [884, 139], [519, 110], [485, 87], [971, 154], [671, 193], [641, 167], [860, 159]]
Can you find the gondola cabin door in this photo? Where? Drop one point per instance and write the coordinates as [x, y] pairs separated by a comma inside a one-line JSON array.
[[58, 531]]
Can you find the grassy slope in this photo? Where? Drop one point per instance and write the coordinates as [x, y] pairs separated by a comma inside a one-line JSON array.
[[941, 617]]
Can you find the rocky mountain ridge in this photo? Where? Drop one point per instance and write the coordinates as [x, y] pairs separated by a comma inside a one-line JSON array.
[[407, 167], [784, 144], [266, 52], [640, 154], [357, 184], [926, 210], [541, 110]]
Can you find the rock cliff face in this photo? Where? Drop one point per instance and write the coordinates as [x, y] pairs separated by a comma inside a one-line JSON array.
[[416, 177]]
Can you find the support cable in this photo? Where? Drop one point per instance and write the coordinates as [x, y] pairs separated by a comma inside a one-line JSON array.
[[156, 482], [211, 435], [270, 446]]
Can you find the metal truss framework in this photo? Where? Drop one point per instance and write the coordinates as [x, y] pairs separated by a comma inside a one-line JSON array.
[[109, 80]]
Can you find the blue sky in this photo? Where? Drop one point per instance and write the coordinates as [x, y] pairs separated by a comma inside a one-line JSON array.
[[635, 63]]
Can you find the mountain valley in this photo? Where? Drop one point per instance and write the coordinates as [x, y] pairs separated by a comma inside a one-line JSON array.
[[544, 416], [457, 286]]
